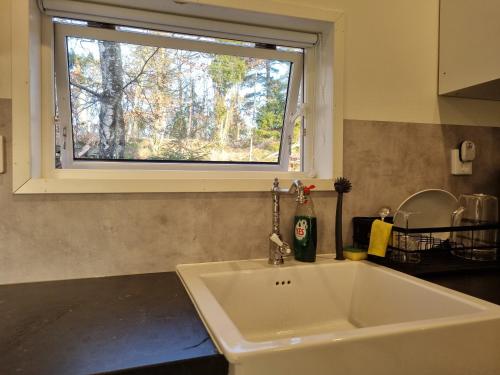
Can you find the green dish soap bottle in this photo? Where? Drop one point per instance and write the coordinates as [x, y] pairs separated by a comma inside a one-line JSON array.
[[305, 227]]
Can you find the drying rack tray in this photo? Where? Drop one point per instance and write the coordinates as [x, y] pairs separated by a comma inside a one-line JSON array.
[[430, 252]]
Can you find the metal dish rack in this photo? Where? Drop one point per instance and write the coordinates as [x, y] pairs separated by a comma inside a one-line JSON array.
[[429, 250]]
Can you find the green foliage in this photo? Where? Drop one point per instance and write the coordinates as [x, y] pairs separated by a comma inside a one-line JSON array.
[[132, 148], [179, 125], [220, 108], [183, 105], [181, 150], [227, 71], [270, 117]]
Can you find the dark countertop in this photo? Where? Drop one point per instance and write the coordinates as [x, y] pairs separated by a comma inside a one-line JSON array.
[[484, 284], [135, 325], [478, 279], [144, 324]]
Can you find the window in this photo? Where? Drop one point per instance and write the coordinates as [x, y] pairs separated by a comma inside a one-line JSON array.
[[303, 139], [138, 98]]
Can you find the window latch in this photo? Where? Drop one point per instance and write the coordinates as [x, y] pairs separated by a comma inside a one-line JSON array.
[[60, 133], [301, 111]]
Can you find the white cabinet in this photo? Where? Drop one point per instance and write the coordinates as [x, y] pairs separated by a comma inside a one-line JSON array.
[[469, 49]]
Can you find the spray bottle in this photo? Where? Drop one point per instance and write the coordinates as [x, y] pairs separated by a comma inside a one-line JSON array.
[[305, 227]]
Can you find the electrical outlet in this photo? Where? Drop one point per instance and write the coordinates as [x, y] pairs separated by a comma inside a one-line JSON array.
[[457, 166]]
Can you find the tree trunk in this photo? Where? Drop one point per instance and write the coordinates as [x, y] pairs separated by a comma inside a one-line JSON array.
[[191, 110], [220, 117], [226, 125], [268, 80], [237, 104], [111, 120]]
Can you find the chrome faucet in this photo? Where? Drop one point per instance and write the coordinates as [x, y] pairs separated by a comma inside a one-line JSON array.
[[277, 247]]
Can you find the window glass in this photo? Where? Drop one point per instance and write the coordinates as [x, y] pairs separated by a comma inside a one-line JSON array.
[[132, 102]]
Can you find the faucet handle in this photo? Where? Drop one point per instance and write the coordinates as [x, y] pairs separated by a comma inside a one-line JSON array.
[[284, 248], [276, 239]]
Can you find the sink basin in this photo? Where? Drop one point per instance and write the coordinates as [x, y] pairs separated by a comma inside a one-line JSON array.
[[340, 317]]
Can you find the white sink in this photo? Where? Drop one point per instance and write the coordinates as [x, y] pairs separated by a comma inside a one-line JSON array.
[[343, 318]]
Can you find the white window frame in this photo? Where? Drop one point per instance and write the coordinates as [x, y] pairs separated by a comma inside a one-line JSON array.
[[61, 31], [32, 108]]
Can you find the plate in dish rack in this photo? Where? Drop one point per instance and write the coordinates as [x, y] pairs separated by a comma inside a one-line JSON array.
[[431, 208]]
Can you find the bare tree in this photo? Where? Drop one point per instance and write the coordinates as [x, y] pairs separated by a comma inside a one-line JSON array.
[[111, 121], [142, 102]]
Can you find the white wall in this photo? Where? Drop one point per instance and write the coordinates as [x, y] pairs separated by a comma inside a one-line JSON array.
[[391, 64]]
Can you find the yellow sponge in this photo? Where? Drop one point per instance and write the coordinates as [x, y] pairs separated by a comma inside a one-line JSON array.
[[379, 238], [355, 254]]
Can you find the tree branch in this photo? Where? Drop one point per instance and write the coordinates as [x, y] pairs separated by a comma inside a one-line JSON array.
[[90, 91], [86, 106], [141, 72], [135, 79]]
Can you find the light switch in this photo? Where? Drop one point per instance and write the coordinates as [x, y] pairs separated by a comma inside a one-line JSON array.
[[459, 167]]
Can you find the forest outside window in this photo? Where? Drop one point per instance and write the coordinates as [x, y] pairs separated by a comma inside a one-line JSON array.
[[137, 98]]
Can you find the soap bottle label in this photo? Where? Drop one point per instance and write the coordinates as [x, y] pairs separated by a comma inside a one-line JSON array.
[[305, 237], [300, 229]]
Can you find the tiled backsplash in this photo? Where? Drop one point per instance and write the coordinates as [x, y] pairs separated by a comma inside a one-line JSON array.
[[387, 162], [46, 237]]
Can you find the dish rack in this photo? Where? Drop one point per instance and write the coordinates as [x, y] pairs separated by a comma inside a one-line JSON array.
[[429, 250]]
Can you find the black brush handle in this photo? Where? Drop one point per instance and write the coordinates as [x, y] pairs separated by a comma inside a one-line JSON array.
[[339, 250]]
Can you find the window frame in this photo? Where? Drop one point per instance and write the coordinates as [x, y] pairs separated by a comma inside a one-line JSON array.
[[33, 115], [61, 31]]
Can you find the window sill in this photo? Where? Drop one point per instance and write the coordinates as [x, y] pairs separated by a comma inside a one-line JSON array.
[[159, 185]]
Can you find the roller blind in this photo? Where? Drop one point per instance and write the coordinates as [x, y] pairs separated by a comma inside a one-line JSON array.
[[154, 15]]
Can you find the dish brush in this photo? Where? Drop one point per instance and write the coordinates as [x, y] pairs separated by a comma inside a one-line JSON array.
[[342, 185]]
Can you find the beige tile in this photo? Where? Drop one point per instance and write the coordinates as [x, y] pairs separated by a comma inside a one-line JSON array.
[[46, 237], [387, 162]]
